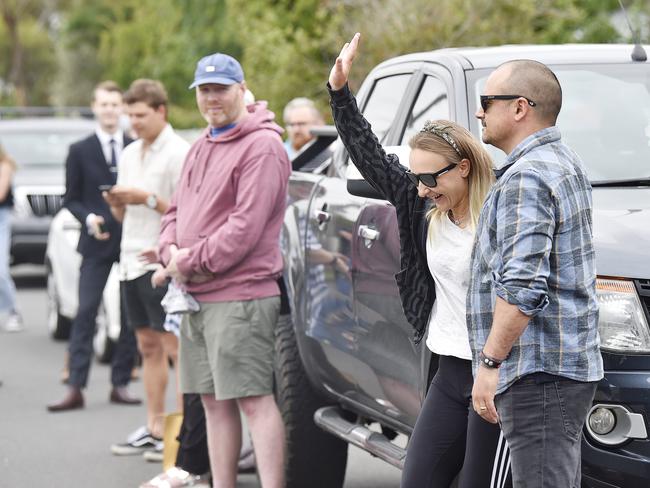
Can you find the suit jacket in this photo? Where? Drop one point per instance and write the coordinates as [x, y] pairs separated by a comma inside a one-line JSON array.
[[86, 170]]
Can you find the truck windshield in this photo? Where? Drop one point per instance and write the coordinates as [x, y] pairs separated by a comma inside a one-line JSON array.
[[605, 117]]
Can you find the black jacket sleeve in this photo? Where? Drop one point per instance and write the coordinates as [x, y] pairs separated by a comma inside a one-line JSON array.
[[73, 199], [383, 171], [387, 176]]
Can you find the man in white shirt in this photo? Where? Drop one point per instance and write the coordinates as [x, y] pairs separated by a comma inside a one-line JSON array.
[[148, 172]]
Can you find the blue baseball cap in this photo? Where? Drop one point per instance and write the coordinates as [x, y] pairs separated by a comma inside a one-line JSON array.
[[217, 68]]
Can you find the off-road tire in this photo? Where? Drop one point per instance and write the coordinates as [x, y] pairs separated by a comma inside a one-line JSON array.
[[314, 458]]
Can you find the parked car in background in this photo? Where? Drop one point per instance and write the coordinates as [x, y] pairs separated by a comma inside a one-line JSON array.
[[40, 146], [345, 357], [62, 263]]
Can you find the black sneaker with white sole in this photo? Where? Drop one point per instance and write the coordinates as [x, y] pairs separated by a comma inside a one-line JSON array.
[[138, 442], [154, 456]]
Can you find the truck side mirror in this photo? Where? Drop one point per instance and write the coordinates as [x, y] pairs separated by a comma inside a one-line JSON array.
[[358, 186]]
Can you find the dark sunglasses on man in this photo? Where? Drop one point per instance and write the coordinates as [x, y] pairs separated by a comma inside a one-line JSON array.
[[428, 179], [486, 100]]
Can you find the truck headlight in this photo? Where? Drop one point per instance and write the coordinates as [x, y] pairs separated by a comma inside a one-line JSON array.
[[622, 324]]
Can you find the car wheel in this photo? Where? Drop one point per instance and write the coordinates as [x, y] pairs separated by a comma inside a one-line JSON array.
[[102, 344], [311, 453], [58, 326]]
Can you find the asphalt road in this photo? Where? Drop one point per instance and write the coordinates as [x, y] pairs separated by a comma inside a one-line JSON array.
[[71, 450]]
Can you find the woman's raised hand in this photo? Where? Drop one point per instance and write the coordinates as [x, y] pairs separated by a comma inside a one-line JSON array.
[[341, 69]]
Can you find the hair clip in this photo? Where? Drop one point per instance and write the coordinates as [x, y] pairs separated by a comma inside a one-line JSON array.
[[441, 131]]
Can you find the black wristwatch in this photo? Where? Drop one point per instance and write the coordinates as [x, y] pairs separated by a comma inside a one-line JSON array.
[[489, 362]]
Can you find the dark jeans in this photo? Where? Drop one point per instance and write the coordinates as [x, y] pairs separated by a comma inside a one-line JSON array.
[[92, 280], [542, 422]]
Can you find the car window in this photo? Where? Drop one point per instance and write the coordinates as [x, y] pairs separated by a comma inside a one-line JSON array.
[[39, 148], [431, 104], [383, 102], [605, 118]]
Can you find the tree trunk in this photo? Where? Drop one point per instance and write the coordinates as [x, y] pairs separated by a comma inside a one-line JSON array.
[[16, 74]]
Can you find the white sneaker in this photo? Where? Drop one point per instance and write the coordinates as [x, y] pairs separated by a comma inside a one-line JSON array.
[[176, 478], [14, 323]]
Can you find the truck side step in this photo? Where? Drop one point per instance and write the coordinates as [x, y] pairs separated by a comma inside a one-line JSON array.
[[332, 420]]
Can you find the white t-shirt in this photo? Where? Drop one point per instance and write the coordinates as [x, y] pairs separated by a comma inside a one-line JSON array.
[[448, 256], [156, 171]]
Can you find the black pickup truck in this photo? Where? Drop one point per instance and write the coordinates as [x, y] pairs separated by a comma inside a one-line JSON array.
[[347, 369]]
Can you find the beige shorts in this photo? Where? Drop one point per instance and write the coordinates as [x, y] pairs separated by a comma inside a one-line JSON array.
[[227, 349]]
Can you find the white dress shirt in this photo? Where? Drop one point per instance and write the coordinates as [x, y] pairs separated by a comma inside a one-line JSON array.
[[105, 140], [156, 171]]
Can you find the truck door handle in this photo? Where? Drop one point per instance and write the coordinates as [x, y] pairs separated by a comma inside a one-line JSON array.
[[368, 233], [322, 216]]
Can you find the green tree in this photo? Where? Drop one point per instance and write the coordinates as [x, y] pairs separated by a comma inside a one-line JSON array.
[[27, 68], [128, 39], [289, 45]]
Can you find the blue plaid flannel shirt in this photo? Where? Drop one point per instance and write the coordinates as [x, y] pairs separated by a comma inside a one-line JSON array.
[[534, 250]]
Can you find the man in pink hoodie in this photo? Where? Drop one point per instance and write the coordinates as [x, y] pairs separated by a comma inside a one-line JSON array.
[[220, 237]]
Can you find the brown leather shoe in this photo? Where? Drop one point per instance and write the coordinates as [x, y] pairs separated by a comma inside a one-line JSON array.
[[73, 400], [120, 395]]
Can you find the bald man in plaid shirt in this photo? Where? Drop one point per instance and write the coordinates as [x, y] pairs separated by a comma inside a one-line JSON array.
[[532, 306]]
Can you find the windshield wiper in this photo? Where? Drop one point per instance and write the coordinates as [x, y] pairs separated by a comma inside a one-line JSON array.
[[618, 183]]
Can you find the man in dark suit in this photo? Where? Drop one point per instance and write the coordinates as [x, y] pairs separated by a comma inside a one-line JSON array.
[[91, 166]]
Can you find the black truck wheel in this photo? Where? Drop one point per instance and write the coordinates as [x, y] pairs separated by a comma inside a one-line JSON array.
[[314, 458]]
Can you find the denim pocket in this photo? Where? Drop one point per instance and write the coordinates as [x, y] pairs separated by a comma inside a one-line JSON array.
[[574, 400]]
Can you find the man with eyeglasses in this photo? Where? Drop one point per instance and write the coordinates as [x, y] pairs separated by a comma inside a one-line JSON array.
[[300, 116], [532, 307]]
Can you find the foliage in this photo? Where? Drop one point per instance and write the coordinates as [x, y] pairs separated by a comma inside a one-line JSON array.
[[286, 46], [27, 68]]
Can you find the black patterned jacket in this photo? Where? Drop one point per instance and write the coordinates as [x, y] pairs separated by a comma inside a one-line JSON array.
[[387, 176]]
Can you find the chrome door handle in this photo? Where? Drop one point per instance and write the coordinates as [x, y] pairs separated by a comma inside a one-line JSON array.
[[368, 233]]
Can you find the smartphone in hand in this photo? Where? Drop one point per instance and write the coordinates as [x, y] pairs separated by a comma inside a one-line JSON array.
[[105, 187]]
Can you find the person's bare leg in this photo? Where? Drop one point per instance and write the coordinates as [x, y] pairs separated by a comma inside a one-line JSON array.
[[223, 425], [267, 431], [154, 377], [170, 345]]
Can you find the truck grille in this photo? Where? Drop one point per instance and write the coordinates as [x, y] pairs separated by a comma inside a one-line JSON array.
[[44, 205], [643, 288]]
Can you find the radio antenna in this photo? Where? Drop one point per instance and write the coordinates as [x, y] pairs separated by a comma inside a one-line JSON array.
[[638, 53]]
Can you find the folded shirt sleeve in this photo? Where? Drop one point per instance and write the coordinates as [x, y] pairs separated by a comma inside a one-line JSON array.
[[526, 224]]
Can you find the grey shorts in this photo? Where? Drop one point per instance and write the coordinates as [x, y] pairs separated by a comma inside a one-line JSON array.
[[227, 349]]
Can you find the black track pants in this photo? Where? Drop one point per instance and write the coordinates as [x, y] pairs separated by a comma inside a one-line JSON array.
[[450, 439], [193, 449]]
